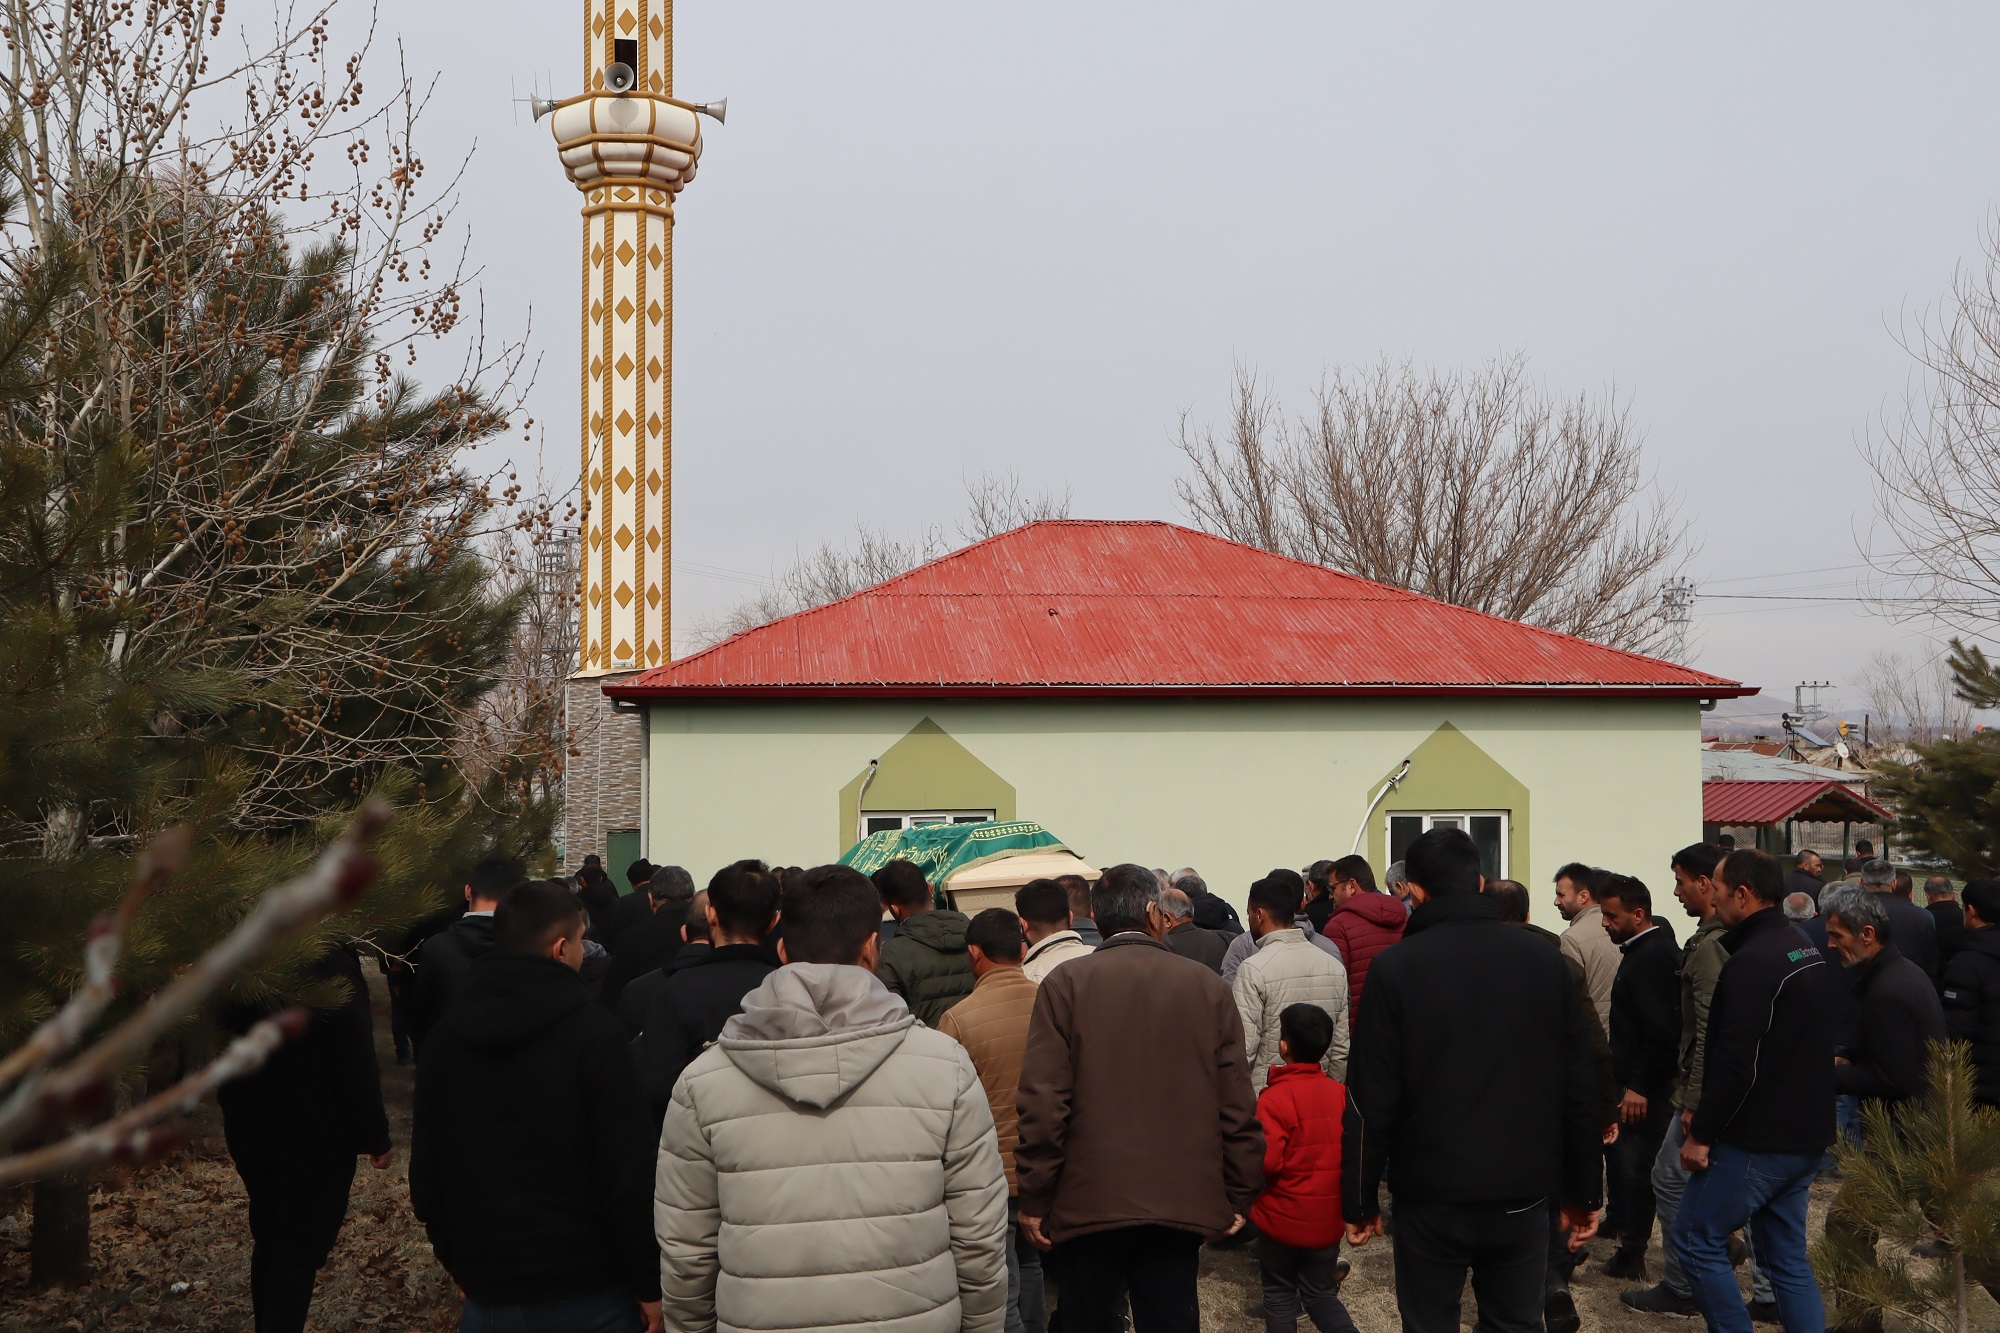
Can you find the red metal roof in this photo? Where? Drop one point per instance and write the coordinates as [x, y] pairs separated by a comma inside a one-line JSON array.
[[1725, 801], [1071, 607]]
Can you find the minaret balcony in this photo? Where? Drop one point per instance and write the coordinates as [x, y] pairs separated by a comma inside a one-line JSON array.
[[633, 138]]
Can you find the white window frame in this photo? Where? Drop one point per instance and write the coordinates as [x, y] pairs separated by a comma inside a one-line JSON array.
[[1506, 818], [919, 818]]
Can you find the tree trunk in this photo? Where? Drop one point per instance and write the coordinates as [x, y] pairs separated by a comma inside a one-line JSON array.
[[59, 1245]]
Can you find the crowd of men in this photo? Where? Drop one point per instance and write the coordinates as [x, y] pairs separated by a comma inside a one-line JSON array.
[[804, 1098]]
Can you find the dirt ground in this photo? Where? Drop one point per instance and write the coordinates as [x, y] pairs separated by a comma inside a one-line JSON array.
[[173, 1253]]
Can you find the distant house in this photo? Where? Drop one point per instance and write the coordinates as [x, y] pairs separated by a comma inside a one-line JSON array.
[[1153, 693]]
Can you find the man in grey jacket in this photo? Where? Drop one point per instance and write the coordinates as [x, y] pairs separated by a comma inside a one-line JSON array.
[[851, 1149]]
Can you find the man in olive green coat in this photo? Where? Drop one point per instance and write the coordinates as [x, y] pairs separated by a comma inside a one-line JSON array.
[[925, 962]]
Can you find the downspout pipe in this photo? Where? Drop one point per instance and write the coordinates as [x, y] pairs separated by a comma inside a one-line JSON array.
[[860, 818], [1395, 780]]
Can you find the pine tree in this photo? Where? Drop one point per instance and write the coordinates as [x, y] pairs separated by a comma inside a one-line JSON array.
[[1928, 1177]]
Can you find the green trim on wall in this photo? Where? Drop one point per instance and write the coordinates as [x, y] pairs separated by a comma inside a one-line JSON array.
[[926, 770], [1449, 772]]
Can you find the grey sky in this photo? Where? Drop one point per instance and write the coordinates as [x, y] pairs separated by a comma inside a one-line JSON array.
[[936, 239]]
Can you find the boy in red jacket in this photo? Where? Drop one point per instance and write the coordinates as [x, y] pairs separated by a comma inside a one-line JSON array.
[[1298, 1214]]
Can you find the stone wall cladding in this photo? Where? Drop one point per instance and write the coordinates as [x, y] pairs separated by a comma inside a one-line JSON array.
[[601, 784]]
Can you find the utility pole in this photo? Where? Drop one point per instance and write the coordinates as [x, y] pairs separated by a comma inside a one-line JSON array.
[[1809, 711], [1677, 609]]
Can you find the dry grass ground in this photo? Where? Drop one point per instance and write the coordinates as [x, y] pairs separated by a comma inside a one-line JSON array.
[[182, 1222]]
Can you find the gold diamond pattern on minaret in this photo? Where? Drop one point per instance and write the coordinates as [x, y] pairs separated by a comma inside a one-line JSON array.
[[630, 153]]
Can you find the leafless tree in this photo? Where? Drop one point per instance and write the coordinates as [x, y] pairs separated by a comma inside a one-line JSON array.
[[993, 505], [259, 254], [1475, 487], [1936, 540], [1913, 703]]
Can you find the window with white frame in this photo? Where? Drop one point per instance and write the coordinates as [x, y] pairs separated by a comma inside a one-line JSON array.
[[1488, 829], [885, 821]]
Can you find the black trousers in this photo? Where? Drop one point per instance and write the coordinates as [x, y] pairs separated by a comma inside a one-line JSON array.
[[1295, 1278], [298, 1200], [1506, 1247], [1639, 1146], [1155, 1265]]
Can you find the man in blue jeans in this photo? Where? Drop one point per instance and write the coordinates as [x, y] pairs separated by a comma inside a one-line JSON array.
[[1754, 1140]]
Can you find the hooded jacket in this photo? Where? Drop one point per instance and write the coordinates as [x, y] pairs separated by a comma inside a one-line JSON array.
[[1283, 972], [1899, 1017], [1972, 1007], [530, 1146], [830, 1163], [1301, 1111], [1360, 928], [442, 966], [1474, 1037], [926, 964], [1767, 1080]]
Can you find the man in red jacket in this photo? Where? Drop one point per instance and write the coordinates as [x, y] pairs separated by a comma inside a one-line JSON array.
[[1365, 921], [1298, 1214]]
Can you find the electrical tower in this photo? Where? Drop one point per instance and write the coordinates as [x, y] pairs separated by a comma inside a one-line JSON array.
[[1809, 711], [1677, 610]]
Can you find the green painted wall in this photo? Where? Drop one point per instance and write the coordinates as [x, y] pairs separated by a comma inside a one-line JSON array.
[[1449, 772], [1233, 788], [925, 770]]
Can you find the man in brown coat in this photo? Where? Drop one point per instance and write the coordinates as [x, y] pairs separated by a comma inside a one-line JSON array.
[[1138, 1129], [992, 1025]]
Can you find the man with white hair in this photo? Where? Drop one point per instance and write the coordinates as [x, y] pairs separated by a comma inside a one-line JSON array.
[[1900, 1013], [1911, 929], [1210, 912], [1187, 939], [1800, 907]]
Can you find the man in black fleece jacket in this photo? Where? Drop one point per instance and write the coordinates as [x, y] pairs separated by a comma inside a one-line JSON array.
[[1899, 1014], [531, 1155], [1472, 1078], [447, 956], [1645, 1052], [1766, 1111], [1972, 988]]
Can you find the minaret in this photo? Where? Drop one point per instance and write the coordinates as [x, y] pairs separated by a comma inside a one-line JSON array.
[[630, 147]]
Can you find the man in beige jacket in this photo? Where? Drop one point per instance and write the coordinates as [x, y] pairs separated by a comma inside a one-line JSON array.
[[992, 1025], [1586, 940], [850, 1150], [1285, 970]]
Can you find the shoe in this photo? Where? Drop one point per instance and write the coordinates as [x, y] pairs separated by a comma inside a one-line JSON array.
[[1659, 1300], [1559, 1313], [1255, 1309], [1763, 1312], [1738, 1251], [1626, 1264], [1341, 1268]]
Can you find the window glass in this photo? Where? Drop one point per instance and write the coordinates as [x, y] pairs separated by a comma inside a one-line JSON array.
[[1486, 837], [1488, 830], [1403, 830]]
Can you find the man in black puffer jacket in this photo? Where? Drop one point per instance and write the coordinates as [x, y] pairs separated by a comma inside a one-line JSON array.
[[531, 1154], [1972, 987]]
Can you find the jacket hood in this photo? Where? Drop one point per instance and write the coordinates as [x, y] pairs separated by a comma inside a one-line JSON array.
[[939, 929], [1985, 940], [1453, 907], [478, 928], [1280, 1073], [1377, 909], [813, 1032], [510, 1001]]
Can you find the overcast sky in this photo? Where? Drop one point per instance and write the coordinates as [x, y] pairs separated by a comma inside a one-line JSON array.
[[940, 239]]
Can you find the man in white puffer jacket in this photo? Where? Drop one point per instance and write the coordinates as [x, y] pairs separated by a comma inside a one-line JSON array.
[[829, 1161]]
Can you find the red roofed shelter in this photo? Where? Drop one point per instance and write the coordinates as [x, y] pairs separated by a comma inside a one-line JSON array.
[[1154, 693]]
